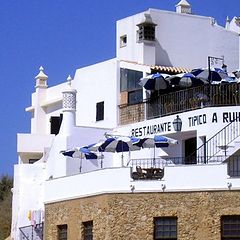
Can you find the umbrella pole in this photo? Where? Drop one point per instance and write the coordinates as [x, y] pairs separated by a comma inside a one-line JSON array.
[[80, 167], [122, 159], [101, 160], [154, 163]]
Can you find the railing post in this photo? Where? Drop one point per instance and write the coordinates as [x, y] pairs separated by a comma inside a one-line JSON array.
[[225, 142], [204, 150]]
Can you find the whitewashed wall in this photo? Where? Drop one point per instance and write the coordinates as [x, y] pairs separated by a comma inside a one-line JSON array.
[[181, 40], [28, 193], [97, 83]]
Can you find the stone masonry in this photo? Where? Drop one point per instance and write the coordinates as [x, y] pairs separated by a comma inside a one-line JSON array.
[[130, 216]]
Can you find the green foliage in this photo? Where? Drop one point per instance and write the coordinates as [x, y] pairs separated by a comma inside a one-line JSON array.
[[6, 183]]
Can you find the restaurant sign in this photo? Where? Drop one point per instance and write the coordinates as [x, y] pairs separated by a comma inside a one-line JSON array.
[[192, 121]]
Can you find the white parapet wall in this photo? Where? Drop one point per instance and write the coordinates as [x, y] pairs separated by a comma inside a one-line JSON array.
[[176, 178]]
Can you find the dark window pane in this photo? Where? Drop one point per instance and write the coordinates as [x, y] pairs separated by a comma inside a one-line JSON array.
[[100, 111], [230, 227], [165, 228], [62, 232], [129, 79], [55, 124], [88, 230], [135, 96], [123, 79]]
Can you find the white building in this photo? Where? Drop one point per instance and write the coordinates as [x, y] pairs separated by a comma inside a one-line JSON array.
[[79, 112]]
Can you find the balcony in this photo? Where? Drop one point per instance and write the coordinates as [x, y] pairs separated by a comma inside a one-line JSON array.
[[159, 105], [175, 176]]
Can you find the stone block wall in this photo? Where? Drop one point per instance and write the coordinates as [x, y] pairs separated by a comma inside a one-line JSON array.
[[130, 216], [131, 113]]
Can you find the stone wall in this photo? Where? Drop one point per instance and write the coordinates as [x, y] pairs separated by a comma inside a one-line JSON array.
[[130, 216], [131, 113]]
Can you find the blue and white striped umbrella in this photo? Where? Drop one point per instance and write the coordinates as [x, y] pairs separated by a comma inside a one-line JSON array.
[[227, 80], [155, 81], [212, 75], [80, 153], [115, 144], [156, 141], [185, 80], [237, 73]]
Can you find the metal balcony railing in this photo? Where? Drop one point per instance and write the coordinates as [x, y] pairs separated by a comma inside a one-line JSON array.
[[220, 142], [32, 232], [153, 168], [159, 105]]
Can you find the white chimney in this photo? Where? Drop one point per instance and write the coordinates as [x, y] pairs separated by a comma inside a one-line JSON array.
[[183, 7], [69, 109]]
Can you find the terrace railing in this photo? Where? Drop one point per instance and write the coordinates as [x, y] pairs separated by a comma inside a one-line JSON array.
[[159, 163], [32, 232], [220, 142], [159, 105]]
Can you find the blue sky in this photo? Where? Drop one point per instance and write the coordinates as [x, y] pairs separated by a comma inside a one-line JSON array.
[[63, 36]]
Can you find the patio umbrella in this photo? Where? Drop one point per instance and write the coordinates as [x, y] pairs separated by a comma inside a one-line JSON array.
[[80, 153], [156, 141], [155, 81], [116, 144], [227, 80], [212, 74], [237, 73], [185, 80]]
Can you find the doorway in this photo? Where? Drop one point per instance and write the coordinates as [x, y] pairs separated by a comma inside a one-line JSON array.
[[190, 151]]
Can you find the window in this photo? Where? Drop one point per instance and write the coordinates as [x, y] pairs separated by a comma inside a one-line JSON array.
[[129, 80], [88, 230], [135, 96], [55, 124], [123, 41], [165, 228], [62, 232], [100, 111], [230, 227]]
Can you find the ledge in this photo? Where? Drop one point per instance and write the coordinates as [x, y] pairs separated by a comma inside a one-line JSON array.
[[51, 102]]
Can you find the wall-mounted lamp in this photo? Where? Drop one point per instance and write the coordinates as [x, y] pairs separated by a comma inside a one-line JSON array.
[[229, 185], [163, 186], [177, 124]]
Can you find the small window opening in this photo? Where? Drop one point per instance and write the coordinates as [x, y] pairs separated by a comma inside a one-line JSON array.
[[100, 111], [123, 41]]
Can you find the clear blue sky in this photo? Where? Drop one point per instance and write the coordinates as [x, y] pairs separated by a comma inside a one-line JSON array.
[[63, 35]]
